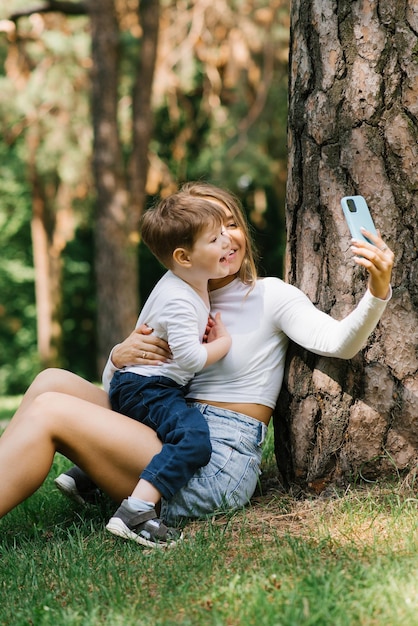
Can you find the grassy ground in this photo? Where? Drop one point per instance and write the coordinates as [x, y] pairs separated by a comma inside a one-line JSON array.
[[8, 405], [346, 560]]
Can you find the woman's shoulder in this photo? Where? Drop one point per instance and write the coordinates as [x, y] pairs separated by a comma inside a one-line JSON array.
[[273, 282], [277, 287]]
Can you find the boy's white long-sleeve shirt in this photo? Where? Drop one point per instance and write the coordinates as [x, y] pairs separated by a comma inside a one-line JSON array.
[[179, 316]]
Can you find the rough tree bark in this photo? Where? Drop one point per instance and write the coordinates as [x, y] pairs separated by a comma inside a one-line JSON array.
[[353, 129]]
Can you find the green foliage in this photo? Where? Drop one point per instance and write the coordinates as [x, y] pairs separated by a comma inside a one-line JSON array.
[[48, 107], [18, 356], [44, 105], [8, 406], [79, 306]]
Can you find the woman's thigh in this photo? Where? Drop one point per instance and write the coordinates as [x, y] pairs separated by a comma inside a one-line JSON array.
[[112, 448], [63, 381], [58, 381]]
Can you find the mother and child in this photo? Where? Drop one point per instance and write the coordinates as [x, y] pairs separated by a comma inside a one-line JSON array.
[[180, 422]]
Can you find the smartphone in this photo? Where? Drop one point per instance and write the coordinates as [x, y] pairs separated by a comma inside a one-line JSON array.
[[357, 215]]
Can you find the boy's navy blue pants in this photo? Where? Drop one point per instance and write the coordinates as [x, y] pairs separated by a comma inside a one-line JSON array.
[[159, 402]]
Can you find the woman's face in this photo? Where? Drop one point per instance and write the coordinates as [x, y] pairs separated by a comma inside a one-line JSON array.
[[237, 254]]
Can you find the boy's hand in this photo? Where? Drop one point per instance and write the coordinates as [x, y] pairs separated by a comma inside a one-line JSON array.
[[209, 325], [216, 329]]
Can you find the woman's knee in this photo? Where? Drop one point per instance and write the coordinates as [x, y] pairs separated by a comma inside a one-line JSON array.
[[43, 407], [48, 380]]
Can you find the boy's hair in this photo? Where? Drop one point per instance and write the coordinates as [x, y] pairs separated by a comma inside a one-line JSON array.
[[248, 270], [176, 222]]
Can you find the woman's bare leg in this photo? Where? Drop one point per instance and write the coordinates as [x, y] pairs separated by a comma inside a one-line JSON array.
[[54, 379], [63, 381], [111, 448]]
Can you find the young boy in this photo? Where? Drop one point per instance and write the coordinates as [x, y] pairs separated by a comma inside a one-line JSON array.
[[186, 235]]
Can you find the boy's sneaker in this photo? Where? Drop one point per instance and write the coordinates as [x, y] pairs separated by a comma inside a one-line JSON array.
[[75, 484], [144, 528]]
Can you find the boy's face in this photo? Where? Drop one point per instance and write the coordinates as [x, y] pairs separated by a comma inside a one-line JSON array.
[[210, 252]]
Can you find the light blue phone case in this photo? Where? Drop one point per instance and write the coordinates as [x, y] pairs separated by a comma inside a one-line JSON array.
[[357, 215]]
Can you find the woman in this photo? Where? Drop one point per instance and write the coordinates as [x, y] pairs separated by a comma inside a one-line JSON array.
[[62, 413]]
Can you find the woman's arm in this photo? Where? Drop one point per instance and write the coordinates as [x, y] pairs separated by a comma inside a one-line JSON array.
[[141, 347], [316, 331]]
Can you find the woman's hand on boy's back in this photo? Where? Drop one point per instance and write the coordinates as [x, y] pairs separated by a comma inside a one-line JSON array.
[[141, 347]]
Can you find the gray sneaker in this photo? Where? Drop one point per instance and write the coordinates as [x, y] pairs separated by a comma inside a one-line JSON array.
[[75, 484], [144, 528]]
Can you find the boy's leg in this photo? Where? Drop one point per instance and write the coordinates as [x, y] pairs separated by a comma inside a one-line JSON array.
[[186, 447], [159, 403], [149, 400]]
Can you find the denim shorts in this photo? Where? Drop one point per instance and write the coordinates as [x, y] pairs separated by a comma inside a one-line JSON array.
[[229, 479]]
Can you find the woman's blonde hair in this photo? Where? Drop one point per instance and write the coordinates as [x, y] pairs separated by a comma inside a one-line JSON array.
[[248, 269]]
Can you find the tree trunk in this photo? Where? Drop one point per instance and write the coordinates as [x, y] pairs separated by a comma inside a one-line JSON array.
[[116, 232], [353, 129], [48, 244], [149, 13], [114, 253]]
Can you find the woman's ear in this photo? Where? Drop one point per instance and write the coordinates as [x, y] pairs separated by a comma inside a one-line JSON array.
[[181, 257]]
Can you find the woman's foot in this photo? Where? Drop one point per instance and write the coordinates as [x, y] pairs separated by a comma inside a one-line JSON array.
[[76, 485]]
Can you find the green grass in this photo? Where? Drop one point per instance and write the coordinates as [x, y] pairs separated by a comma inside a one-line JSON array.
[[346, 560], [8, 405]]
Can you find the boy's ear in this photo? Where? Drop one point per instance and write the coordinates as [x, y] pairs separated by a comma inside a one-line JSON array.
[[181, 257]]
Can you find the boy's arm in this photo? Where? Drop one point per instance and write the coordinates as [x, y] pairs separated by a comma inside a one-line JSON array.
[[218, 341]]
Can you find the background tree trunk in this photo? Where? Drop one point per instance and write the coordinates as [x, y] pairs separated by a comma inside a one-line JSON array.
[[118, 212], [353, 129], [52, 226], [142, 127]]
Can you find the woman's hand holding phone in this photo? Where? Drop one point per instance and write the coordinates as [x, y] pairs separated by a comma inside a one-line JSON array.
[[368, 246], [378, 259]]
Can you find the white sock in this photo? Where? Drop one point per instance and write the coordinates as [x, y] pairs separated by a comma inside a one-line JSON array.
[[137, 505]]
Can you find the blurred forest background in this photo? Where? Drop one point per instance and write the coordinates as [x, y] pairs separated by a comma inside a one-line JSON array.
[[219, 107]]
